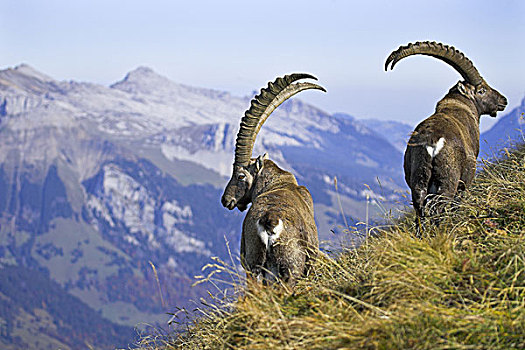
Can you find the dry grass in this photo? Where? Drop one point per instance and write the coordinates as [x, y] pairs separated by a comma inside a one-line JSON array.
[[462, 286]]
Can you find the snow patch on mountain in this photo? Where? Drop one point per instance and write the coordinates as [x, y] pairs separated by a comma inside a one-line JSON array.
[[175, 214]]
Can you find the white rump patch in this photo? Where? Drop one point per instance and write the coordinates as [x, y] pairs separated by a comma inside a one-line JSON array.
[[434, 150], [269, 238], [276, 232], [263, 235]]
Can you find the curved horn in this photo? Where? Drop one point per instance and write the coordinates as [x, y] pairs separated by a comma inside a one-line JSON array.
[[260, 109], [446, 53]]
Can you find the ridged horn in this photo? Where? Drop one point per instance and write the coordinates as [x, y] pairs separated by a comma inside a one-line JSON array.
[[446, 53], [260, 109]]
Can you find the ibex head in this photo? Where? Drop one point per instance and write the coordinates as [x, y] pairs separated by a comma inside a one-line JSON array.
[[486, 99], [238, 192]]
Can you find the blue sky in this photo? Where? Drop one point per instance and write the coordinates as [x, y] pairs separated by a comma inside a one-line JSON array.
[[239, 45]]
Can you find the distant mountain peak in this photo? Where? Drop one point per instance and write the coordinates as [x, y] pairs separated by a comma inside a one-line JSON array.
[[142, 74], [28, 70], [24, 78], [142, 79], [145, 81], [143, 70]]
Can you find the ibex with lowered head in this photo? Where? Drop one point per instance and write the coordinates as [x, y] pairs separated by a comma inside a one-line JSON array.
[[440, 159], [279, 235]]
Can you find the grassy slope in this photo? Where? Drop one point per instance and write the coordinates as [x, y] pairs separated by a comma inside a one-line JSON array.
[[460, 287]]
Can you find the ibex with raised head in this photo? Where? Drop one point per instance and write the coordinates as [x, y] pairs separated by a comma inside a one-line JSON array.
[[440, 159], [279, 235]]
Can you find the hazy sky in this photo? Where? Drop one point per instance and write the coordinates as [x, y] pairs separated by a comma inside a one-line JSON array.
[[239, 45]]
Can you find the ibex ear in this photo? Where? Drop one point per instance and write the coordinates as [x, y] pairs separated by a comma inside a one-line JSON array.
[[462, 89], [265, 156], [259, 162]]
